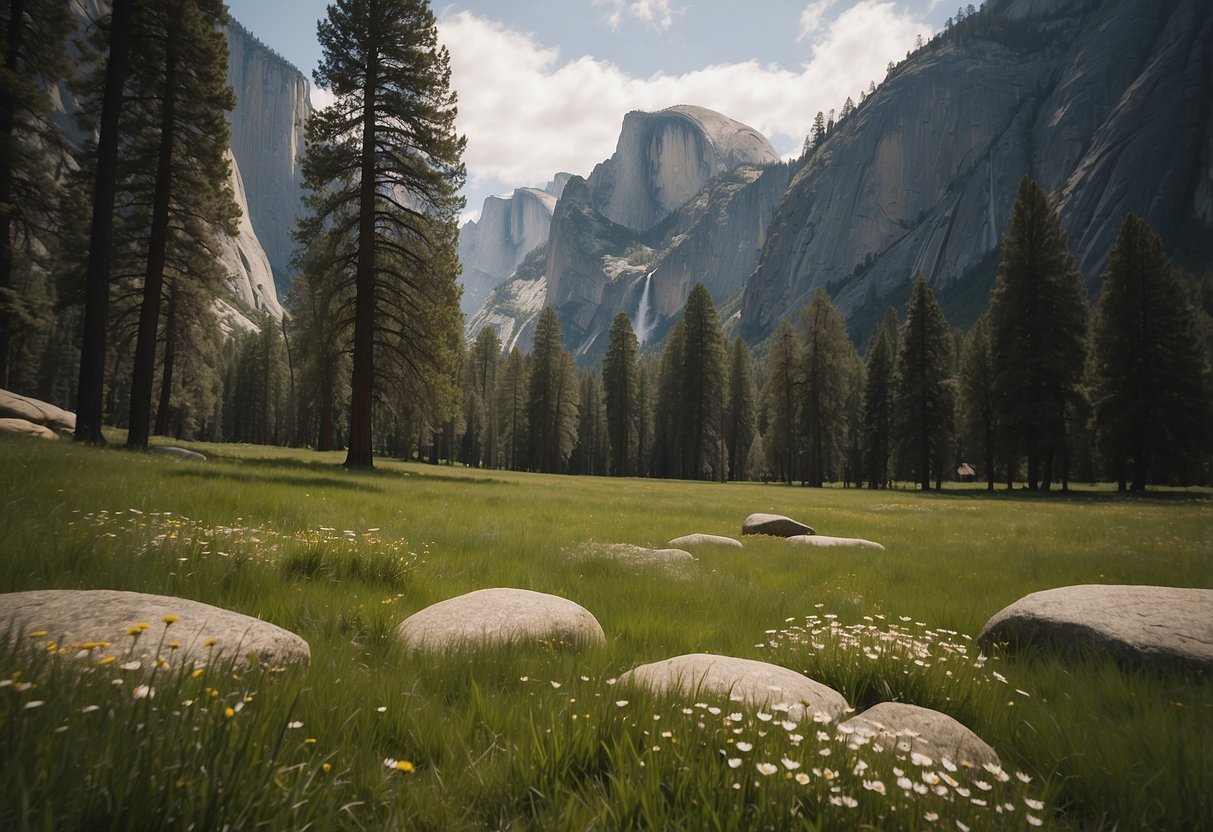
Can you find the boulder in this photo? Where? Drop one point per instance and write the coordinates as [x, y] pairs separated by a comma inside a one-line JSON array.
[[1152, 624], [13, 406], [180, 453], [500, 616], [638, 554], [754, 683], [919, 730], [24, 427], [703, 540], [96, 624], [827, 542], [775, 525]]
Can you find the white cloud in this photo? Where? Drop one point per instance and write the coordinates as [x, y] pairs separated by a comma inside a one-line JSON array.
[[656, 13], [528, 114], [319, 97], [813, 18]]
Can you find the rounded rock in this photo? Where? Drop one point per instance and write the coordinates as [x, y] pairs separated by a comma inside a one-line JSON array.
[[704, 540], [824, 541], [85, 618], [1151, 624], [753, 683], [24, 427], [920, 730], [775, 525], [500, 616]]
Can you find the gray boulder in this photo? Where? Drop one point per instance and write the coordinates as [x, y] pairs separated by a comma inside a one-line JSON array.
[[13, 406], [97, 623], [689, 540], [24, 427], [913, 729], [1153, 624], [753, 683], [500, 616], [826, 542], [180, 453], [775, 525], [642, 555]]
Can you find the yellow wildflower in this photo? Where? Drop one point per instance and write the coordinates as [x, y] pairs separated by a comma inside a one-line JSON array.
[[170, 619], [229, 712], [37, 634], [173, 645], [107, 660], [326, 768]]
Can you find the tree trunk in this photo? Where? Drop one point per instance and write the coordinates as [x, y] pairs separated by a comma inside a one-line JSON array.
[[362, 382], [12, 55], [91, 385], [163, 410]]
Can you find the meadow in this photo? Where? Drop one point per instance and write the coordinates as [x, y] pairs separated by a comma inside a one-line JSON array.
[[543, 736]]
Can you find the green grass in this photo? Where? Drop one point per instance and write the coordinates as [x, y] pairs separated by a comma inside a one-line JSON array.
[[341, 558]]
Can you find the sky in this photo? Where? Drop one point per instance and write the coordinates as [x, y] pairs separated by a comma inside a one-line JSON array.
[[543, 85]]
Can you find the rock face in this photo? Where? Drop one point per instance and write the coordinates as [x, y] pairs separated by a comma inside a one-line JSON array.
[[826, 542], [919, 730], [775, 525], [1150, 624], [754, 683], [72, 617], [686, 541], [252, 277], [267, 140], [665, 158], [491, 248], [640, 246], [922, 176], [512, 309], [24, 427], [14, 406], [500, 616]]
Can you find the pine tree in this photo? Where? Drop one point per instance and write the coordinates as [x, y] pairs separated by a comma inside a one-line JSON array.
[[512, 427], [781, 396], [34, 34], [621, 382], [480, 370], [552, 397], [1150, 374], [175, 129], [892, 328], [827, 370], [741, 422], [383, 168], [977, 405], [818, 136], [593, 451], [667, 440], [91, 385], [878, 411], [703, 387], [922, 389], [1037, 334]]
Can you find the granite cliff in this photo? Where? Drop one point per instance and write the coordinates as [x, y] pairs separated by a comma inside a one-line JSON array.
[[510, 227], [1107, 103], [686, 198]]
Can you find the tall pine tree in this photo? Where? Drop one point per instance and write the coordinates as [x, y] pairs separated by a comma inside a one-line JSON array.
[[621, 384], [1150, 374], [878, 411], [781, 396], [383, 169], [741, 414], [703, 387], [552, 397], [827, 359], [977, 404], [1037, 336], [512, 427], [922, 389]]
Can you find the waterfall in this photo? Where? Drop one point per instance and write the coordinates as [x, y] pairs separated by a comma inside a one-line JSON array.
[[644, 312]]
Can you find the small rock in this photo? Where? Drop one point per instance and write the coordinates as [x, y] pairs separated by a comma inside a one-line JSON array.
[[775, 525], [827, 542], [703, 540], [754, 683], [920, 730], [636, 554], [24, 427], [180, 453], [76, 617], [1152, 624], [500, 616]]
